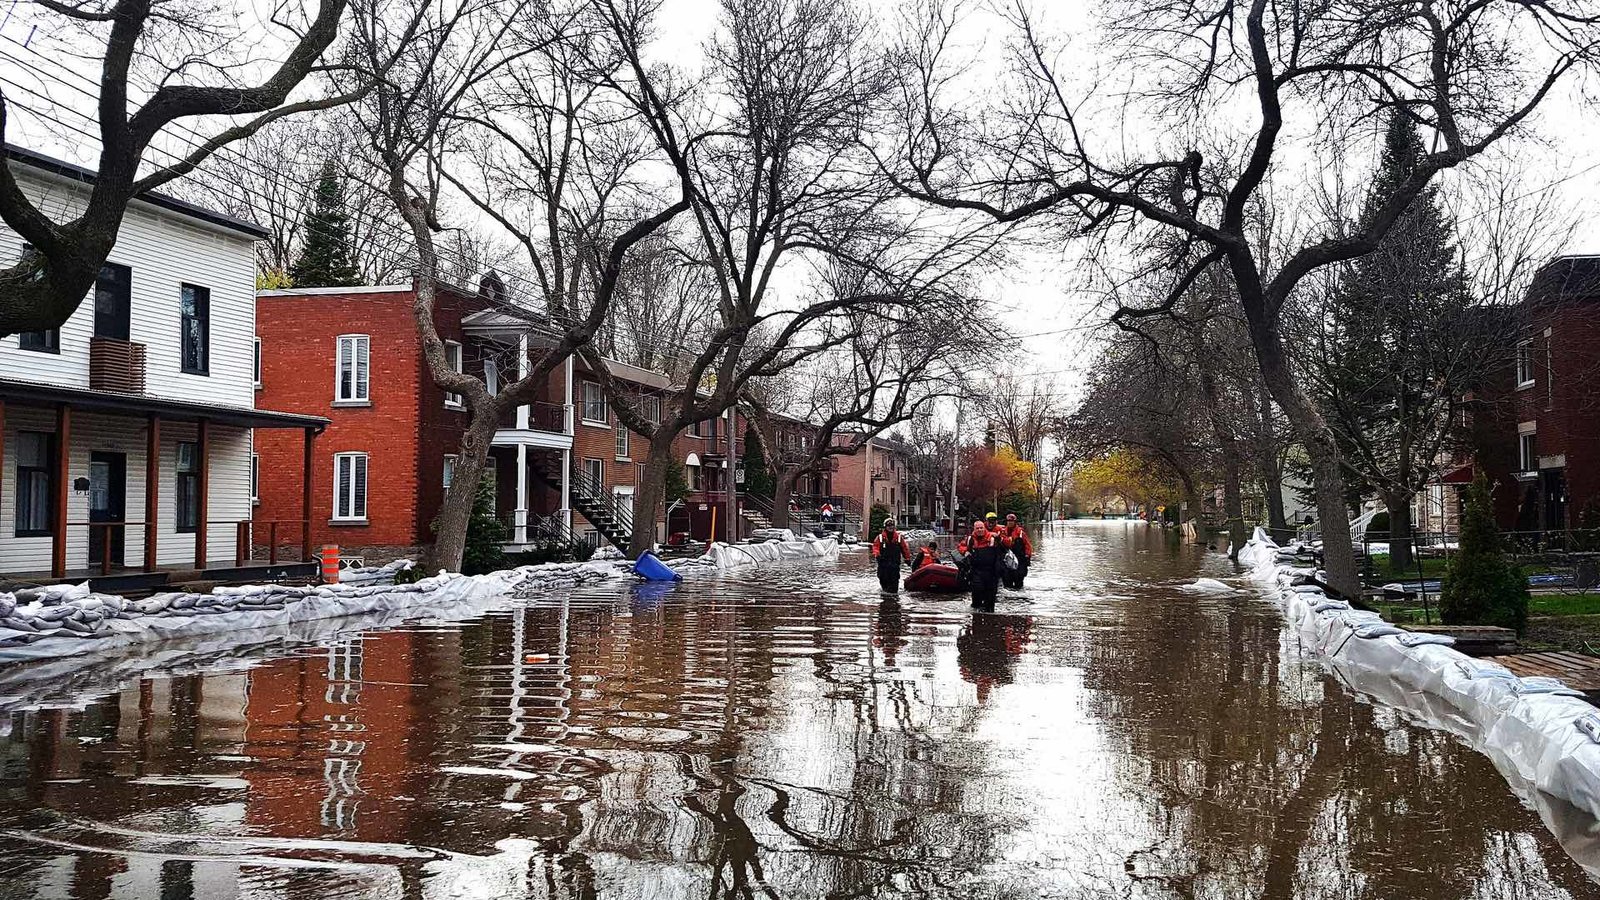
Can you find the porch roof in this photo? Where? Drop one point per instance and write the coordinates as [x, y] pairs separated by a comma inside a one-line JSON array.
[[179, 410]]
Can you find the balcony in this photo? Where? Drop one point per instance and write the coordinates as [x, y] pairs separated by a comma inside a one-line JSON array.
[[536, 424], [116, 366]]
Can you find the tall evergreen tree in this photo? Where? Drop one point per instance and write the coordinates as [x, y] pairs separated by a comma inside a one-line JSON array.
[[1396, 350], [324, 259]]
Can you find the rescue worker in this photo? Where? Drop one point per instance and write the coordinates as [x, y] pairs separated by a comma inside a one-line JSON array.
[[926, 556], [1015, 538], [891, 551], [983, 566], [993, 522]]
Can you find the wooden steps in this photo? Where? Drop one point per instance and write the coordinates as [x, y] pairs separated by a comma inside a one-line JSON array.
[[1579, 672]]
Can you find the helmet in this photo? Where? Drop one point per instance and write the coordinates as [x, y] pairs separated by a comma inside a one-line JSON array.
[[1011, 517], [991, 516], [888, 524]]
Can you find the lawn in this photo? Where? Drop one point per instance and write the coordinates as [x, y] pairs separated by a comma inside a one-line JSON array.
[[1555, 621], [1432, 567]]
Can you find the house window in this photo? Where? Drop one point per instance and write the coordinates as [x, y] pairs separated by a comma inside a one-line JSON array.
[[349, 487], [1525, 364], [491, 376], [594, 471], [352, 383], [652, 409], [452, 359], [638, 474], [694, 430], [187, 490], [195, 303], [1528, 451], [255, 364], [35, 483], [449, 470], [42, 341], [692, 476], [622, 441], [594, 404], [255, 478]]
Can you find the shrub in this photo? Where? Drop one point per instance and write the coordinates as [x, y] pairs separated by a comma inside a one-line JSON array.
[[485, 533], [876, 517], [1379, 526], [1481, 586], [582, 550]]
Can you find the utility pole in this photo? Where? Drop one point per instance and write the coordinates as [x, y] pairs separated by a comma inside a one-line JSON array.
[[955, 462], [731, 512]]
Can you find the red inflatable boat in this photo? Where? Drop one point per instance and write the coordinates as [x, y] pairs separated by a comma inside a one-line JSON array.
[[939, 577]]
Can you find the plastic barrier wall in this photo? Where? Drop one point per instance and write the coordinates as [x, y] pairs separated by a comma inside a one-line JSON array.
[[1541, 734]]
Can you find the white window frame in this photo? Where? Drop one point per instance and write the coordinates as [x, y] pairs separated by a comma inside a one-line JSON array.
[[255, 365], [583, 405], [1525, 373], [623, 444], [1529, 462], [449, 473], [350, 500], [651, 409], [361, 391], [451, 400], [255, 479], [491, 376], [598, 464]]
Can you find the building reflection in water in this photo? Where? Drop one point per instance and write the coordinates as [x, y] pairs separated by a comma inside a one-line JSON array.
[[769, 739]]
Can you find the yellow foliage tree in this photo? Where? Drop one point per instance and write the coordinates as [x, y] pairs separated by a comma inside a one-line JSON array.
[[1126, 475]]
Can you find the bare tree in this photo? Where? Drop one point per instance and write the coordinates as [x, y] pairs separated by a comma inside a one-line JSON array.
[[464, 76], [179, 52], [1445, 65]]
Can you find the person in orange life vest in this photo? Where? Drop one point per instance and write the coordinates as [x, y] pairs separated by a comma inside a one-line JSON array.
[[891, 551], [983, 565], [992, 521], [1015, 538], [926, 556]]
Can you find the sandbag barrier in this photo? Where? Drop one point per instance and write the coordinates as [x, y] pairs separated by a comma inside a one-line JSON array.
[[68, 620], [1542, 735], [721, 556]]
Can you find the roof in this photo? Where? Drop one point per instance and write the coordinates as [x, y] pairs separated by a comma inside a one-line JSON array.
[[330, 291], [635, 374], [73, 172], [242, 417], [1566, 278]]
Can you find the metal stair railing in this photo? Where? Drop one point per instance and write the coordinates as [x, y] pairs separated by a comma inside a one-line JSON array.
[[603, 504]]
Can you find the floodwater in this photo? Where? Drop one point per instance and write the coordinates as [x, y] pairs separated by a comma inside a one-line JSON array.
[[779, 733]]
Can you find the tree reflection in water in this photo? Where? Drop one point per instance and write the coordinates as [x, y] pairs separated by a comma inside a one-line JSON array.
[[776, 734]]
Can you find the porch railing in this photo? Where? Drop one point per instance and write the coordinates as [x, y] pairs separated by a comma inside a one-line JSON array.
[[284, 537]]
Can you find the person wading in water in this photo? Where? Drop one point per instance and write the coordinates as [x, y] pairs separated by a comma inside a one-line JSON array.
[[891, 551], [983, 565], [1015, 538]]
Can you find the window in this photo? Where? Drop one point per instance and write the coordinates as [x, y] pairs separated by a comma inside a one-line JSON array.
[[255, 364], [449, 470], [594, 404], [491, 376], [452, 358], [36, 459], [41, 341], [694, 430], [651, 407], [1525, 364], [594, 471], [195, 303], [622, 441], [691, 474], [187, 490], [352, 378], [350, 487], [638, 474], [1528, 451], [255, 478]]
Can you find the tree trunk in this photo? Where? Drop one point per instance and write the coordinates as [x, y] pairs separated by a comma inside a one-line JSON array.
[[1270, 471], [450, 528], [1233, 504], [782, 490], [1398, 504], [647, 503]]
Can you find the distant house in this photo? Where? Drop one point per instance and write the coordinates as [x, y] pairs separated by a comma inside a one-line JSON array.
[[127, 431], [880, 473]]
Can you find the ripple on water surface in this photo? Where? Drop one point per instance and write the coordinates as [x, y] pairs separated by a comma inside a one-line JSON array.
[[784, 732]]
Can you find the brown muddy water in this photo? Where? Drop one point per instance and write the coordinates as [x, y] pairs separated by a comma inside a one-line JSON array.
[[777, 733]]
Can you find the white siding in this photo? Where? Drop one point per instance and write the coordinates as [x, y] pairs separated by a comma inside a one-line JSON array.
[[164, 250], [228, 493]]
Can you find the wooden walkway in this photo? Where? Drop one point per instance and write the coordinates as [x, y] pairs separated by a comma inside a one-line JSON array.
[[1578, 671]]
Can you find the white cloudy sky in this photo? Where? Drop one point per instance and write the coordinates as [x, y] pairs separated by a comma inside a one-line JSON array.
[[1040, 295]]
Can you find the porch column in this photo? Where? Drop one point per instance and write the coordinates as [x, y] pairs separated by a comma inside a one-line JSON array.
[[152, 490], [566, 484], [58, 530], [202, 447], [305, 495], [569, 416], [522, 408], [520, 532]]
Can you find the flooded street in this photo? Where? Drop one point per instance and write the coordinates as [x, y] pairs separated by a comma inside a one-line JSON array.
[[777, 733]]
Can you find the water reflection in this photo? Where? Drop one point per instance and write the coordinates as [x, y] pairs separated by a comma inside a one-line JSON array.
[[781, 734]]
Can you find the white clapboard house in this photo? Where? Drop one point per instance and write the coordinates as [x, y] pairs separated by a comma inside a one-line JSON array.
[[127, 432]]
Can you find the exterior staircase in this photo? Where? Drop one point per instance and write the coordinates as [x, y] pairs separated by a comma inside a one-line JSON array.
[[591, 498], [756, 510]]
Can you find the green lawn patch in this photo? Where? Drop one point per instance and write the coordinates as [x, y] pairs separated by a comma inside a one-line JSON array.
[[1564, 604]]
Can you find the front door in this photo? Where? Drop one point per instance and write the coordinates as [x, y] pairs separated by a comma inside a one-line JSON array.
[[1555, 498], [108, 502]]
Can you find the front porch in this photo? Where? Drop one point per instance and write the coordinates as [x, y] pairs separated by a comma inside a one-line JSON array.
[[115, 485]]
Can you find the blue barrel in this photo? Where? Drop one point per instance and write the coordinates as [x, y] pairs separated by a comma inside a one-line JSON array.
[[648, 567]]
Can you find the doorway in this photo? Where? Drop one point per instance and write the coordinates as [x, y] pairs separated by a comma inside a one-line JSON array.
[[108, 502]]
